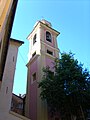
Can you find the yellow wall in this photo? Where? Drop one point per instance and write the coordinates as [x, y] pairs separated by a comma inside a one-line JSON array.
[[4, 9]]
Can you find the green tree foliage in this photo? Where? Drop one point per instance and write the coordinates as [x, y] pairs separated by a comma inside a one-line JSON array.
[[67, 89]]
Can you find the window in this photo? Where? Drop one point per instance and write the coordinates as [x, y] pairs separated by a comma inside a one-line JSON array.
[[20, 106], [6, 90], [49, 52], [34, 76], [34, 39], [33, 54], [11, 104], [13, 58], [48, 37]]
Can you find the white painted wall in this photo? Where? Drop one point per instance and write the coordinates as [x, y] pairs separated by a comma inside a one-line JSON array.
[[7, 83]]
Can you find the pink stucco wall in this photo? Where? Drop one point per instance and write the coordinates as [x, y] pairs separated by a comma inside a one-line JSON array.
[[33, 92], [49, 62], [33, 101]]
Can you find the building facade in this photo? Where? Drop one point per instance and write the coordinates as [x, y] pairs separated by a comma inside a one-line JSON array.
[[43, 50], [7, 13], [7, 83], [17, 104], [8, 56]]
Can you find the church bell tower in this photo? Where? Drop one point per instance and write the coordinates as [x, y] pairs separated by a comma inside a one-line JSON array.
[[43, 50]]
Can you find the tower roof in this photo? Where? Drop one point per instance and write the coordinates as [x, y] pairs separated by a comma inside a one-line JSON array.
[[44, 23]]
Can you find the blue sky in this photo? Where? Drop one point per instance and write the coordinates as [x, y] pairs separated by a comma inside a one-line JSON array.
[[70, 17]]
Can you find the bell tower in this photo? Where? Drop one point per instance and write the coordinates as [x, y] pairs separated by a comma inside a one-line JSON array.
[[43, 50]]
